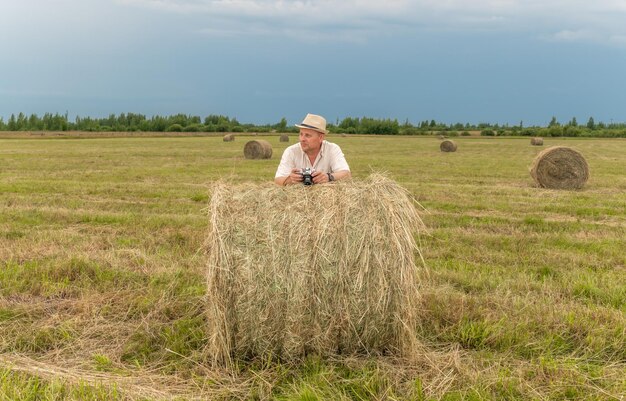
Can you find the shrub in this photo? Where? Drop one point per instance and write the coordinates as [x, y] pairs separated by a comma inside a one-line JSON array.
[[192, 128], [569, 130], [555, 130], [487, 132], [410, 131], [528, 132], [175, 128]]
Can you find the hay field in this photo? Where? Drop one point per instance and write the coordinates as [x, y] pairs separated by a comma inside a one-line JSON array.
[[102, 274]]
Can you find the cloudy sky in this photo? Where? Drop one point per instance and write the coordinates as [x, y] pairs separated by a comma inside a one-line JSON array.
[[498, 61]]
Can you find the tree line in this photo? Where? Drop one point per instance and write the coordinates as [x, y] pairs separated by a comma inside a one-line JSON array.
[[131, 122]]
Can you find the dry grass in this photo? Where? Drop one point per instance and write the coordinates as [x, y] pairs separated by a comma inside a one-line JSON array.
[[257, 149], [325, 270], [560, 167], [103, 274], [448, 146]]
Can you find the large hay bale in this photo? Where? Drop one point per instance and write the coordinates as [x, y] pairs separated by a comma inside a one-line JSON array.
[[229, 137], [257, 149], [284, 138], [447, 146], [560, 167], [536, 141], [330, 271]]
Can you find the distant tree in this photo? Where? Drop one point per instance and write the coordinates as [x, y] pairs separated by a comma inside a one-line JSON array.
[[571, 130], [553, 122], [22, 122], [158, 124], [364, 125], [457, 126], [12, 123], [282, 125], [193, 128], [349, 122], [554, 130], [379, 127]]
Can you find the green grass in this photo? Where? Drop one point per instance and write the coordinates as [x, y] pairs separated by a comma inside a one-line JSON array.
[[102, 273], [19, 386]]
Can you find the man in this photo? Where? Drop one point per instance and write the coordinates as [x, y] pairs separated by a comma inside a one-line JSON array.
[[325, 159]]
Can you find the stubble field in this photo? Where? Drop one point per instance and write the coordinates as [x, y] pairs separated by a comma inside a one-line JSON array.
[[102, 273]]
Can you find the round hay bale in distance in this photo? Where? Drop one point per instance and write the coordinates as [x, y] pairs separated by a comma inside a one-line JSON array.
[[229, 137], [536, 141], [447, 146], [257, 149], [281, 284], [560, 167], [284, 138]]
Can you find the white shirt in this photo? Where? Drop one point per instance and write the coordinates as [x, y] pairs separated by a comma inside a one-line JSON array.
[[330, 159]]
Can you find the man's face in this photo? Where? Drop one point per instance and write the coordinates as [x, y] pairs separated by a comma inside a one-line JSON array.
[[310, 140]]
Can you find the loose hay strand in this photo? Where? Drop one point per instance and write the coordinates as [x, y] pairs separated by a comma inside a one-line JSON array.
[[328, 269]]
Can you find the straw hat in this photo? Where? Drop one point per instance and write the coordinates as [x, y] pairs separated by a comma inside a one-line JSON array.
[[314, 122]]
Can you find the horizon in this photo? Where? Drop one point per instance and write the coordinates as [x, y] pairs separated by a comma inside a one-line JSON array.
[[73, 119]]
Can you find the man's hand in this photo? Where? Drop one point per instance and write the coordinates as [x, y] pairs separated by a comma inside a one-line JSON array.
[[295, 176], [320, 177]]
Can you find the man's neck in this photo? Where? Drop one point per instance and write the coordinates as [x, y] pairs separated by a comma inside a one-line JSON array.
[[312, 154]]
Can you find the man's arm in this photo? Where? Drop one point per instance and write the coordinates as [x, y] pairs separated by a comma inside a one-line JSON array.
[[281, 180], [320, 177], [295, 177], [285, 169], [341, 170], [342, 175]]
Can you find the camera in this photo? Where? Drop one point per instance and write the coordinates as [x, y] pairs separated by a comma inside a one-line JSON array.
[[307, 178]]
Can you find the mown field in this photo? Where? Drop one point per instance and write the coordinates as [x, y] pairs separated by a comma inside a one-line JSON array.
[[102, 273]]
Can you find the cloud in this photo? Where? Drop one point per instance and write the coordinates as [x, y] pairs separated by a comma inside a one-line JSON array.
[[315, 9], [574, 36], [308, 21], [359, 20], [618, 40]]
